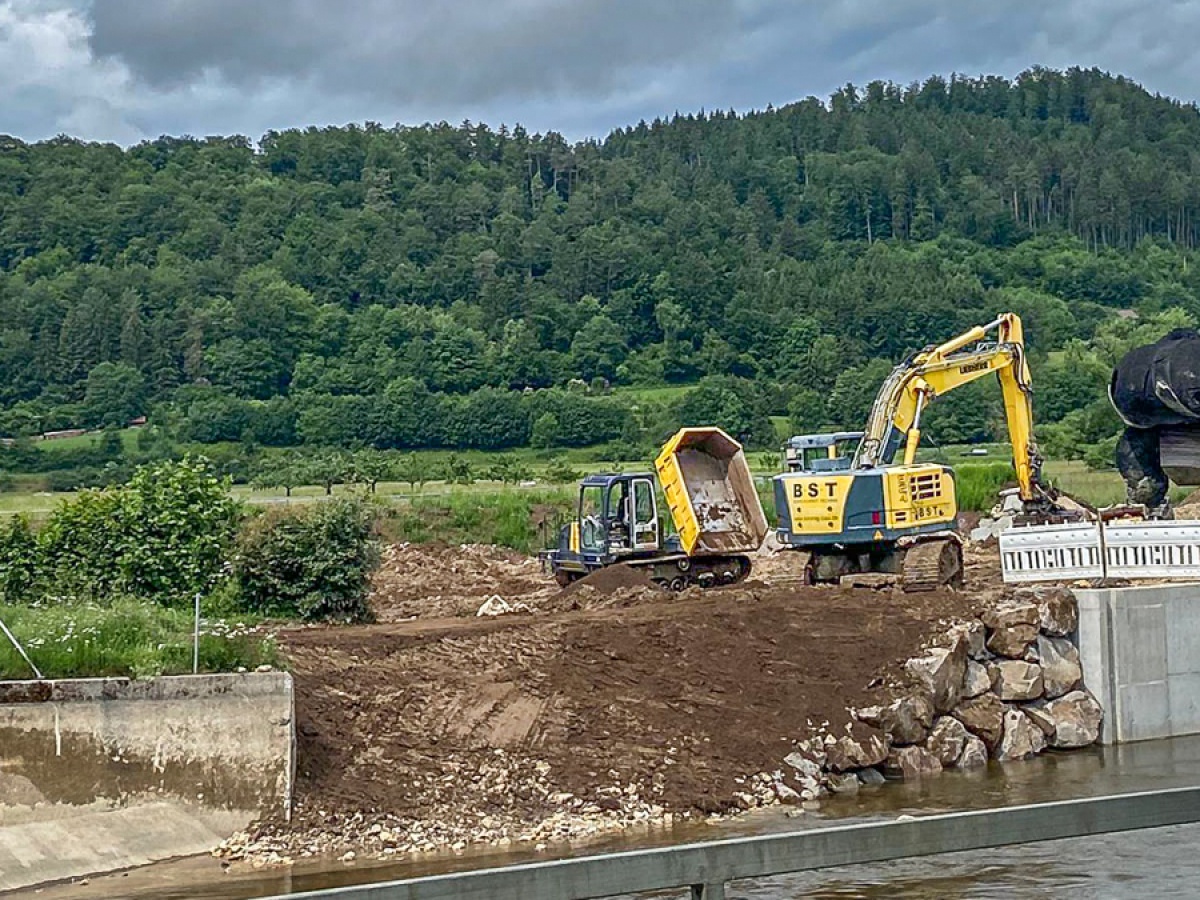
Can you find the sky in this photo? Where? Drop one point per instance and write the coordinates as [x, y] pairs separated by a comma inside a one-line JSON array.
[[130, 70]]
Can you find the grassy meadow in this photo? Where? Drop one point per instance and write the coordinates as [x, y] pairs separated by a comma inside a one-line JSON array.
[[128, 638]]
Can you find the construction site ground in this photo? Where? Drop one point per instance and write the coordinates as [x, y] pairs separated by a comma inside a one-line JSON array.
[[611, 697]]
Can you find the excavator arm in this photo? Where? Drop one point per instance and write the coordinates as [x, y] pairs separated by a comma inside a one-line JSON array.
[[895, 418]]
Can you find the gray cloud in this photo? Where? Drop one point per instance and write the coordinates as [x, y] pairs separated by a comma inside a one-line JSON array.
[[126, 69], [411, 50]]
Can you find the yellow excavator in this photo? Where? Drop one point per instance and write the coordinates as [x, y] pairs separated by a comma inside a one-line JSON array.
[[848, 508]]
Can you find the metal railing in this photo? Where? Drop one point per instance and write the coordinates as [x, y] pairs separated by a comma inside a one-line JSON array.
[[706, 867]]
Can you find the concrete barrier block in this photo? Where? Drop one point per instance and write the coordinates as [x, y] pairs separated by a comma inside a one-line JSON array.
[[1183, 632], [1143, 712], [1139, 636], [1183, 694], [1095, 653]]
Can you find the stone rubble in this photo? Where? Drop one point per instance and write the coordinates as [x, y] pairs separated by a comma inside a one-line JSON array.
[[1061, 671], [1005, 686]]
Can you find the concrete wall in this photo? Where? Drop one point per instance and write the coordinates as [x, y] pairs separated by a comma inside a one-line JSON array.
[[128, 772], [1140, 650], [223, 741]]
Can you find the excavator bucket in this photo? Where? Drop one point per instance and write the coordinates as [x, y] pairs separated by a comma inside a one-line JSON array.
[[710, 492]]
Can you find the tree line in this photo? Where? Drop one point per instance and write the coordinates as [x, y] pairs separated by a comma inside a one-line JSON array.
[[440, 286]]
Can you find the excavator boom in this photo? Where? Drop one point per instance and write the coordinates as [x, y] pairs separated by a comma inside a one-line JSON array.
[[895, 418]]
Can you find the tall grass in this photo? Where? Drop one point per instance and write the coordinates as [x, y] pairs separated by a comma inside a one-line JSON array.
[[978, 486], [524, 520], [127, 638]]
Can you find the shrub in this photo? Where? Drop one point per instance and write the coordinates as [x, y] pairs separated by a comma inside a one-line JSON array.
[[179, 522], [81, 544], [311, 563], [18, 558], [165, 536]]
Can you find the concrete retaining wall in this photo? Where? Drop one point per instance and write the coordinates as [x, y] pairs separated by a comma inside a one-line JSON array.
[[222, 741], [119, 773], [1140, 650]]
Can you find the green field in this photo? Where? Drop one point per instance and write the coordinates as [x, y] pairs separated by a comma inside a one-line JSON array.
[[1100, 488], [661, 394], [128, 439]]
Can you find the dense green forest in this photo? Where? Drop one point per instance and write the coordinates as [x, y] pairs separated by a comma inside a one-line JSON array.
[[470, 287]]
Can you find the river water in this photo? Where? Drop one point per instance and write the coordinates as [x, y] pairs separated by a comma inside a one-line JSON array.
[[1160, 863]]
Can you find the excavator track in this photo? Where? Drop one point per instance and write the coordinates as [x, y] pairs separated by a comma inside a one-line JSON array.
[[932, 564]]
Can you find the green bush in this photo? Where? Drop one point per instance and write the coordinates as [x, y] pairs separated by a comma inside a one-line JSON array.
[[165, 536], [18, 558], [311, 563]]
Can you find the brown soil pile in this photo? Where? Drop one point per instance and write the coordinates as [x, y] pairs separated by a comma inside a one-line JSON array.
[[611, 579], [678, 700], [1190, 505], [435, 580]]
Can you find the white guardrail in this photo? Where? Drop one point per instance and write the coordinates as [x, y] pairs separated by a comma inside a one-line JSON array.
[[1159, 550]]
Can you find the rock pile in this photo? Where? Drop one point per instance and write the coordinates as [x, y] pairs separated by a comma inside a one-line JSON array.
[[1004, 686]]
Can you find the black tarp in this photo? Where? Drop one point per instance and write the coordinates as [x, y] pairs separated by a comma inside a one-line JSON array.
[[1159, 384]]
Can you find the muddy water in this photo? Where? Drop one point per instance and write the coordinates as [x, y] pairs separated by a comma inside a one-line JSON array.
[[1159, 862]]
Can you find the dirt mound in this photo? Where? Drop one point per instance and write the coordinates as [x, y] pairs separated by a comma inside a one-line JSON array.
[[438, 580], [613, 578], [674, 700], [1189, 505]]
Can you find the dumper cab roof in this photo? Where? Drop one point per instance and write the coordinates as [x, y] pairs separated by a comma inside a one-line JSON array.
[[605, 479]]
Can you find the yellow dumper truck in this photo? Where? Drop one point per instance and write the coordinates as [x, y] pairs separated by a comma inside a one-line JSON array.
[[709, 492]]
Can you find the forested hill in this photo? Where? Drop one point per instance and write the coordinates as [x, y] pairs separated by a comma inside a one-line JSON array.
[[404, 286]]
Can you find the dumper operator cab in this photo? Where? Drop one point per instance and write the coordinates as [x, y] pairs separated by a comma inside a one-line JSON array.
[[616, 521]]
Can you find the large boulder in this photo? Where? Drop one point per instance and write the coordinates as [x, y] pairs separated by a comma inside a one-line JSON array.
[[1058, 610], [1012, 627], [1016, 681], [1061, 671], [1039, 716], [908, 719], [862, 746], [1022, 739], [940, 672], [984, 718], [1009, 612], [1077, 717], [978, 680], [947, 739], [974, 634], [1013, 641], [974, 754], [911, 763]]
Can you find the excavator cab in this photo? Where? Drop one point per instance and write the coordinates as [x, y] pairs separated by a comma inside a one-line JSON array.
[[832, 452]]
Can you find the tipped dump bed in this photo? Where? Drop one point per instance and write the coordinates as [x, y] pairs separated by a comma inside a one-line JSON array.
[[710, 493]]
